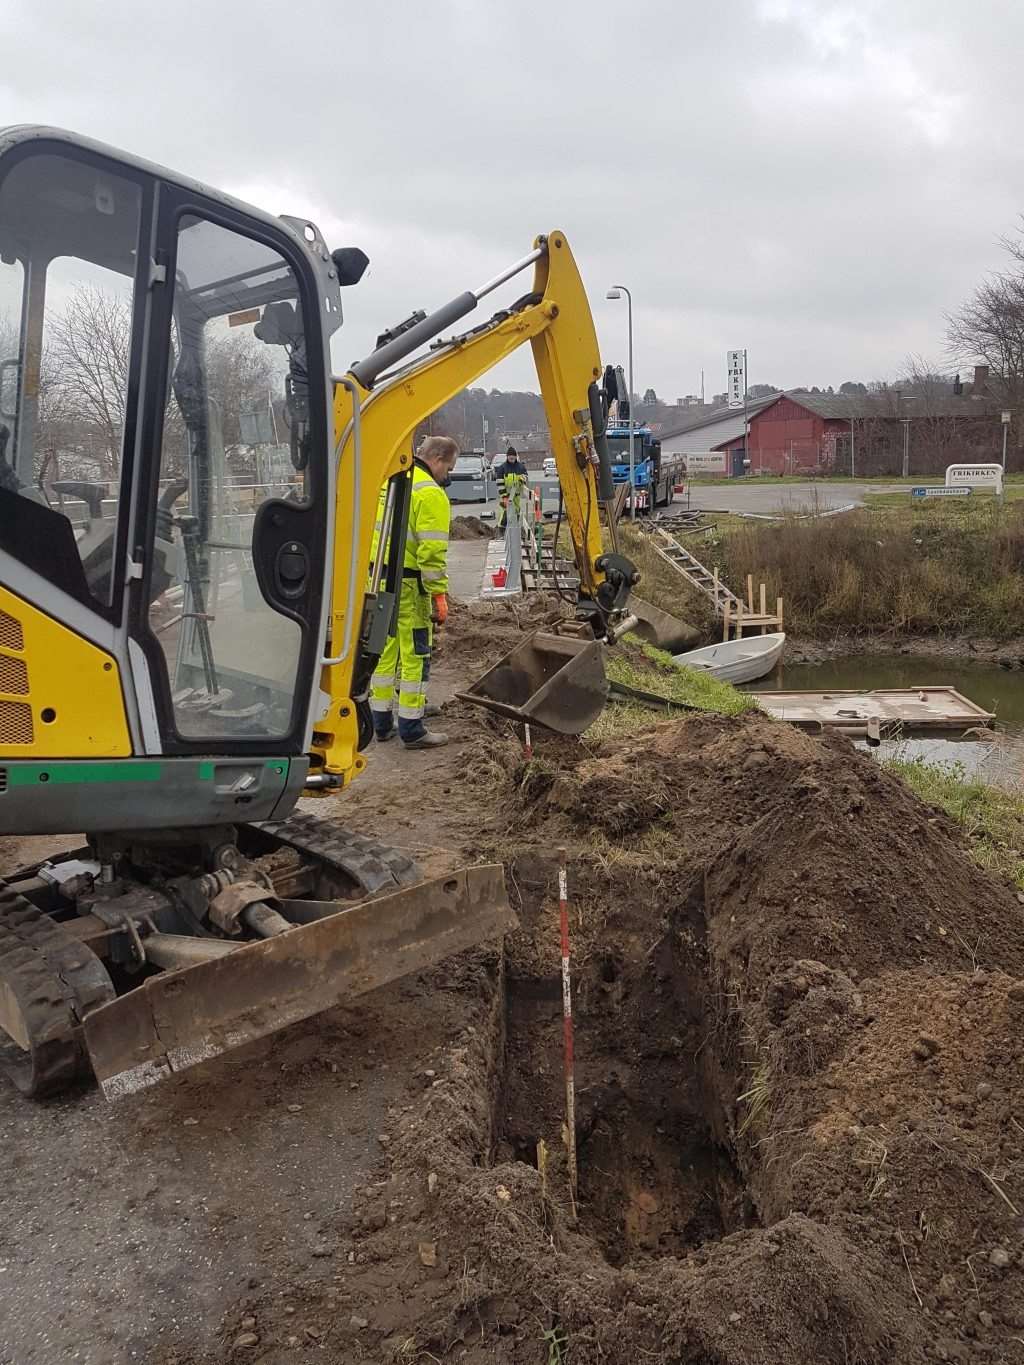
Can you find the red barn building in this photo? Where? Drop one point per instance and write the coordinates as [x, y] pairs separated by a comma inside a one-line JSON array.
[[803, 433], [797, 433]]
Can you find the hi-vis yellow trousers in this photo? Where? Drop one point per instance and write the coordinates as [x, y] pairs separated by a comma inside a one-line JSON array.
[[404, 667]]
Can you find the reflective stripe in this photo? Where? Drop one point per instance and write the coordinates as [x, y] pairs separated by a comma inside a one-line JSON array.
[[430, 535], [412, 712], [381, 706], [382, 680], [429, 577]]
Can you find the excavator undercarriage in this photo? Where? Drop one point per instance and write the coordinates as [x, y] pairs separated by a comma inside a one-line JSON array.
[[282, 921]]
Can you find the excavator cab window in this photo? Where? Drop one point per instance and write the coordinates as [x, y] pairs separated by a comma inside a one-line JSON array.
[[235, 452], [69, 236]]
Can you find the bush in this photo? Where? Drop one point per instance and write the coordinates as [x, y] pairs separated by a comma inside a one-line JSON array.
[[910, 571]]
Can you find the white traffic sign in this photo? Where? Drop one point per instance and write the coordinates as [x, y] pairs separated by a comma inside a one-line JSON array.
[[940, 492], [975, 476]]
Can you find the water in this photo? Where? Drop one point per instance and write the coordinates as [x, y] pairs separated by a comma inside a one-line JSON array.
[[998, 759]]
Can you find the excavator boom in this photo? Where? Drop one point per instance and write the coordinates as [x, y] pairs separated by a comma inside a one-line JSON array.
[[191, 608]]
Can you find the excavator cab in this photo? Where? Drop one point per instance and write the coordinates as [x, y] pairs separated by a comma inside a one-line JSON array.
[[171, 533], [164, 447]]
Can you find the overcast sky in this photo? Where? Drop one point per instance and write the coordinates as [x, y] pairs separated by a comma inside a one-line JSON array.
[[816, 181]]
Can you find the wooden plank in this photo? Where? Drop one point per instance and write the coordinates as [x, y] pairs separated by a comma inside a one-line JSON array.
[[764, 607], [750, 593]]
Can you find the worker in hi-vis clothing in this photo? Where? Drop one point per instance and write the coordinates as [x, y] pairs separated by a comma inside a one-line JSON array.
[[404, 666], [512, 477]]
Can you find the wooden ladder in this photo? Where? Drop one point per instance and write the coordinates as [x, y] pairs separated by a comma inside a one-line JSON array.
[[735, 614], [698, 575]]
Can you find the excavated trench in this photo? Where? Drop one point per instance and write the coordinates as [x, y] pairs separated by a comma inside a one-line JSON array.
[[657, 1174]]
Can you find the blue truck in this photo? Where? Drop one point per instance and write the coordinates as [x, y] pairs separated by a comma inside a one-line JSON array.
[[654, 475]]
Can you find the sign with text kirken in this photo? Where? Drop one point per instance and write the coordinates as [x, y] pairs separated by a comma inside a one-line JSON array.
[[736, 377]]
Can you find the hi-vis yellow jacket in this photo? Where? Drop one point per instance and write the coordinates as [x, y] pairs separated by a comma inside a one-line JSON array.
[[426, 542]]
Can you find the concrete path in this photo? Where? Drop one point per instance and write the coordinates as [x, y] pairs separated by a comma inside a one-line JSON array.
[[466, 560]]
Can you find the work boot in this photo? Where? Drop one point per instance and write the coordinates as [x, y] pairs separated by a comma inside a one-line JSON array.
[[430, 739], [431, 711]]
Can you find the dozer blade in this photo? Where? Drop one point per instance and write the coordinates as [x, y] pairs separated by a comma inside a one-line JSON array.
[[180, 1018], [556, 681]]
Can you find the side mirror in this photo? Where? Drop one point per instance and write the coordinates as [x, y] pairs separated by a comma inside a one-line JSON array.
[[350, 262]]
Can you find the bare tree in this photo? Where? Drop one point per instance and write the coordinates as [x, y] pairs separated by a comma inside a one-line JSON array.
[[989, 326], [88, 350], [242, 373]]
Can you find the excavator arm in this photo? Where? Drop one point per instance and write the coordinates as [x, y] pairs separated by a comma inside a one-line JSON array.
[[204, 652], [377, 408]]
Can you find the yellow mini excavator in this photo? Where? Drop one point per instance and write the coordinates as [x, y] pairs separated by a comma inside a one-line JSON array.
[[191, 607]]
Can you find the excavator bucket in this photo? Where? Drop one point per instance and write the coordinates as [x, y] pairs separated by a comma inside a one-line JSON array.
[[556, 681], [179, 1018]]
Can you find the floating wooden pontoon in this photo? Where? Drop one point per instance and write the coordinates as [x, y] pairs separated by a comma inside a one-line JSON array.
[[882, 711]]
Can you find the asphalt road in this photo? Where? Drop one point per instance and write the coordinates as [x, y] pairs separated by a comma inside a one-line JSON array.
[[767, 499]]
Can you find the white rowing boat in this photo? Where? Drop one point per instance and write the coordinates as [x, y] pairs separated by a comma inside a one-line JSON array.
[[736, 661]]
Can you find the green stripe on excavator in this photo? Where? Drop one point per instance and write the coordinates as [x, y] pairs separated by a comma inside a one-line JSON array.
[[31, 774]]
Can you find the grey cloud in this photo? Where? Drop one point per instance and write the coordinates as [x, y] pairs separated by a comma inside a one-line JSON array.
[[815, 180]]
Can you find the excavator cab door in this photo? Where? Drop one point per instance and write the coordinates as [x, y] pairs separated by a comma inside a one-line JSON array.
[[229, 606]]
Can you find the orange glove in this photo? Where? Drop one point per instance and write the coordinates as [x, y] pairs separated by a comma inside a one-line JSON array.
[[439, 613]]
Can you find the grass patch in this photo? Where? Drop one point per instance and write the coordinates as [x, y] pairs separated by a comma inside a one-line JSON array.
[[663, 587], [1012, 493], [637, 664], [993, 819]]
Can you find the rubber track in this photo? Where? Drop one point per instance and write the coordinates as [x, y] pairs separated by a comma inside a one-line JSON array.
[[55, 980], [376, 867]]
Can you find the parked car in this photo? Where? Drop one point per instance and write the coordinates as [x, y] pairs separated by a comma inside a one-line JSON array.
[[550, 468], [470, 480]]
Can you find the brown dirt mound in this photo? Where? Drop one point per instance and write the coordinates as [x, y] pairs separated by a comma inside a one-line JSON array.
[[799, 1069], [477, 633], [470, 528]]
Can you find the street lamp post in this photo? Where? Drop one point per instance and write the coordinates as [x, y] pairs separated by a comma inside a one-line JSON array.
[[900, 399], [616, 292], [1006, 416]]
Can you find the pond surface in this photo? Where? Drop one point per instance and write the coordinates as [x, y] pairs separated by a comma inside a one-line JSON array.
[[999, 760]]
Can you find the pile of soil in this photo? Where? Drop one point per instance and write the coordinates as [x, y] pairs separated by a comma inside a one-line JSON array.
[[478, 633], [470, 528], [799, 1014]]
